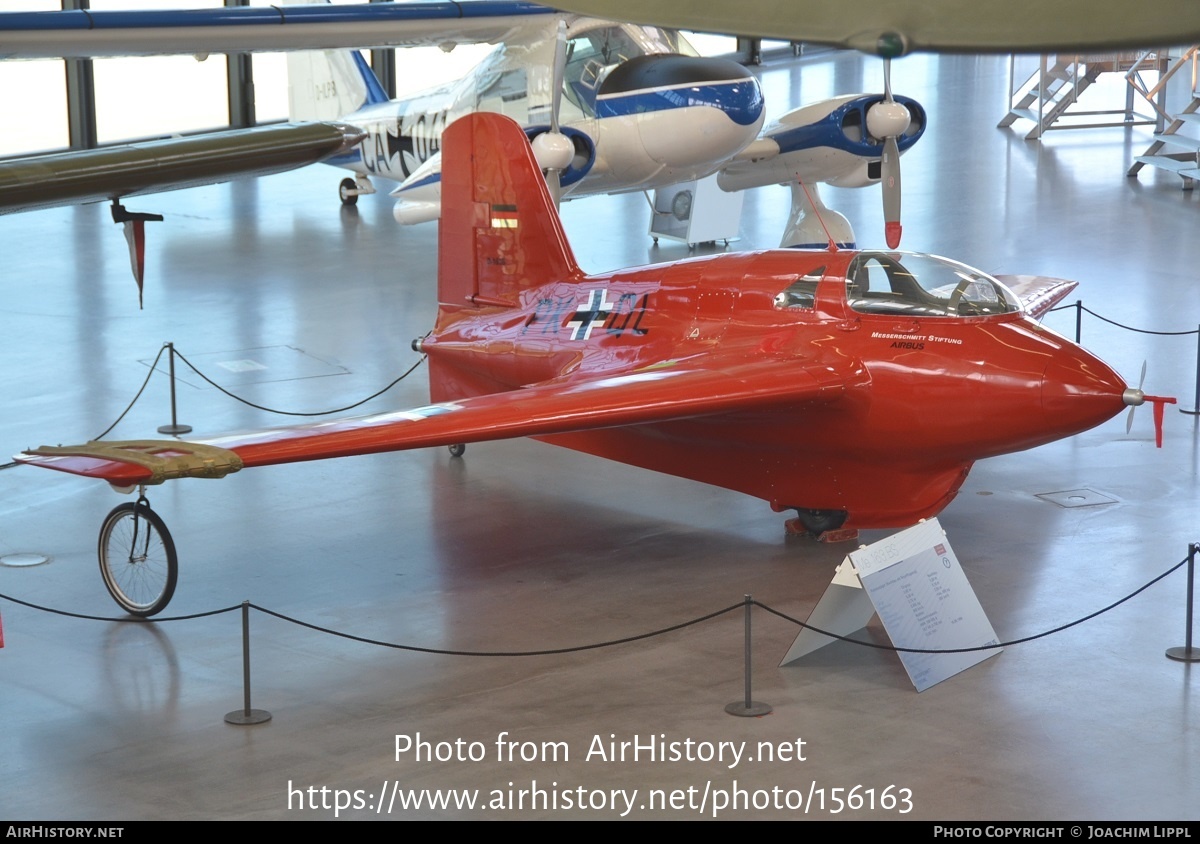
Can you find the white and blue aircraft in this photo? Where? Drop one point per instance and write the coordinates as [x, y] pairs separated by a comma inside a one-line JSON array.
[[609, 107]]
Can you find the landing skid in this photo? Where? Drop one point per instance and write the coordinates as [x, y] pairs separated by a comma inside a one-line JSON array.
[[822, 525], [793, 527]]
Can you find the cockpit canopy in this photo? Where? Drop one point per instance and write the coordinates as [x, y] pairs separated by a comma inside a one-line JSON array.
[[594, 53], [923, 285]]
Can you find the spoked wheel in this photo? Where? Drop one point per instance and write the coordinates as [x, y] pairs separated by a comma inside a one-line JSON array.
[[137, 559], [348, 192]]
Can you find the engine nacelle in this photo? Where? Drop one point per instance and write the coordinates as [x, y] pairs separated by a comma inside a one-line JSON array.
[[830, 141], [579, 159]]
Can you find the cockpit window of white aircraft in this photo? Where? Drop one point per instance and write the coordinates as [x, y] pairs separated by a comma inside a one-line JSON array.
[[923, 285], [591, 55]]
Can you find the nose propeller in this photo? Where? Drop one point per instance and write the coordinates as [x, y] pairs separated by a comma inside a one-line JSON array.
[[1135, 398], [889, 120]]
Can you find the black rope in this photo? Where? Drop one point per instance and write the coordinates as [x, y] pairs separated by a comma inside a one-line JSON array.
[[611, 642], [141, 390], [550, 652], [1080, 306], [1140, 330], [124, 619], [1020, 641], [294, 413]]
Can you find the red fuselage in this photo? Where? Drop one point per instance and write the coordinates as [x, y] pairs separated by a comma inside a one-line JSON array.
[[921, 395]]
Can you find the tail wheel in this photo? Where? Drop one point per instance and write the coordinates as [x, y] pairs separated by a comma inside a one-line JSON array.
[[457, 450], [348, 192], [137, 559]]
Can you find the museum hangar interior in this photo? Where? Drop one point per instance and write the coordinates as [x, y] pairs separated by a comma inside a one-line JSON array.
[[292, 301]]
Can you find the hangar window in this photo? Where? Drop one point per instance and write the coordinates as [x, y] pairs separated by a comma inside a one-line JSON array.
[[924, 285], [801, 293], [157, 96]]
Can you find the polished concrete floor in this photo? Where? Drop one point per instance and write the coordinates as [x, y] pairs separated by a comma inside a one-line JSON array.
[[521, 546]]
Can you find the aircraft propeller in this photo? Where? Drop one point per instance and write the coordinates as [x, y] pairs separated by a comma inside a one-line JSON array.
[[889, 120], [553, 149], [1135, 398]]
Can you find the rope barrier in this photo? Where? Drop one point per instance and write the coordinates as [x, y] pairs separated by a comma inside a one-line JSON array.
[[609, 642], [126, 619], [1138, 330], [1079, 306], [548, 652], [996, 646], [376, 395], [141, 390]]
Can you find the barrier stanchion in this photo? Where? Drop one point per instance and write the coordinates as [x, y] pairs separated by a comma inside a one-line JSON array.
[[1195, 411], [174, 427], [1187, 653], [245, 716], [748, 708]]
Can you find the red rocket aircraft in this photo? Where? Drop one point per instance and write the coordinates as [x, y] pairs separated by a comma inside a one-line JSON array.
[[856, 388]]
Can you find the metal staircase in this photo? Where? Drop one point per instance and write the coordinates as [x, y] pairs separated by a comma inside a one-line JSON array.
[[1051, 91], [1172, 150]]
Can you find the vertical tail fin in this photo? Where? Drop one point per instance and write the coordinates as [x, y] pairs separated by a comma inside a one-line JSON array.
[[500, 232], [330, 85]]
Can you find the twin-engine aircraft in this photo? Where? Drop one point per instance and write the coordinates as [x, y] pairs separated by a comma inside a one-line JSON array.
[[610, 107], [856, 388]]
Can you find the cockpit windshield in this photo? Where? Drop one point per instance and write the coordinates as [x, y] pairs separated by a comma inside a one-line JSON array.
[[591, 55], [923, 285]]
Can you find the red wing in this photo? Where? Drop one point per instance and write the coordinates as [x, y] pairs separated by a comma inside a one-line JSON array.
[[697, 387]]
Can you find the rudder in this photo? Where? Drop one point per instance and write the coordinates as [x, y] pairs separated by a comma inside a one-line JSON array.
[[500, 232], [330, 85]]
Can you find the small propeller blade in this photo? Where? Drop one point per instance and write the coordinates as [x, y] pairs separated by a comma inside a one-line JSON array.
[[1133, 406], [890, 176], [559, 72], [888, 120], [554, 149]]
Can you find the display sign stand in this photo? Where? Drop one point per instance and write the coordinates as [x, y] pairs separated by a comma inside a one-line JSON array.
[[696, 212], [913, 580]]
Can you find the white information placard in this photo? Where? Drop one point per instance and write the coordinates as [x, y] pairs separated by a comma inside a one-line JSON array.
[[924, 600]]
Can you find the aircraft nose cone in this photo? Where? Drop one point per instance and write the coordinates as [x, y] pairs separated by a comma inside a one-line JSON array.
[[1079, 391]]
